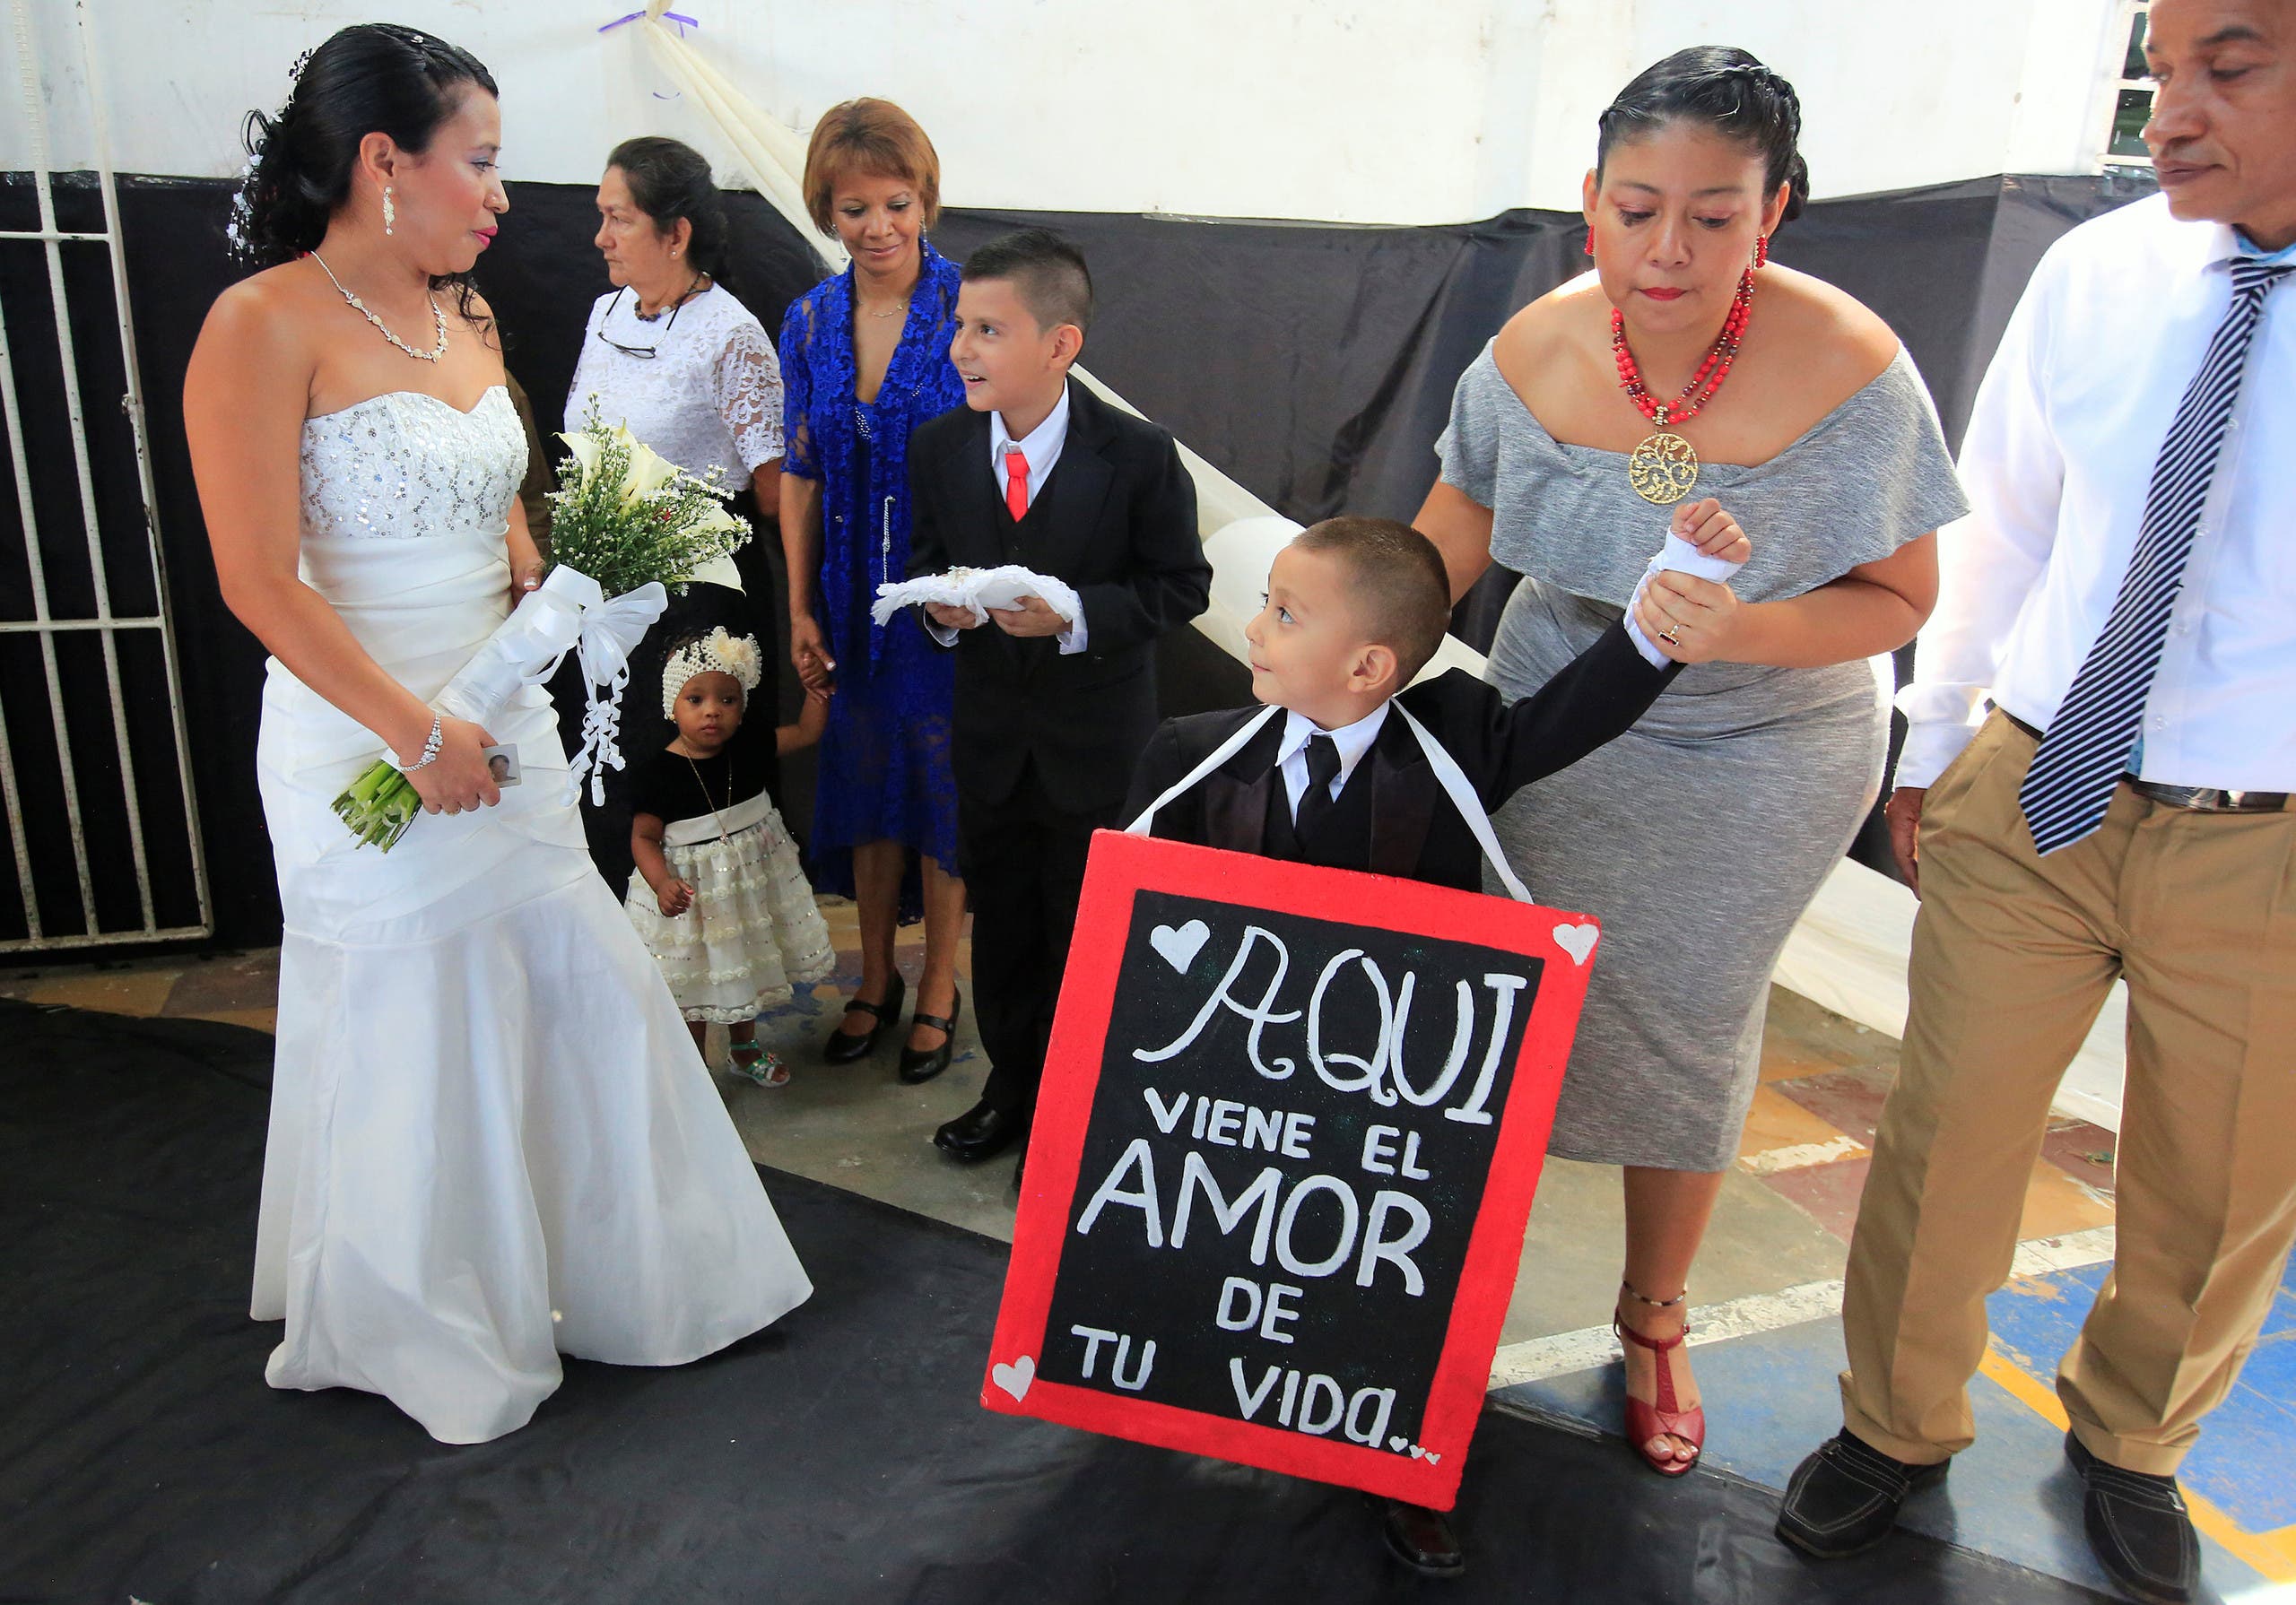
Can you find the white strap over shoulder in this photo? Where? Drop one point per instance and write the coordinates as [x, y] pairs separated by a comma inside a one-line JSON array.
[[1447, 771], [1219, 754], [1470, 806]]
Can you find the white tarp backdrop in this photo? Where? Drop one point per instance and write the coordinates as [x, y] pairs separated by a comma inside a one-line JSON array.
[[1438, 111]]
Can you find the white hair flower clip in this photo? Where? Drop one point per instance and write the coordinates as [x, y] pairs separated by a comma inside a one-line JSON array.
[[717, 653]]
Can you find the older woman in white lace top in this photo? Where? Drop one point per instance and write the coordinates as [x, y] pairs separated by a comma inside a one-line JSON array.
[[669, 352], [672, 355]]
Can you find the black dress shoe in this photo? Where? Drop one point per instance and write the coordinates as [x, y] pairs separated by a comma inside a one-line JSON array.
[[2138, 1526], [843, 1047], [981, 1132], [1845, 1497], [1421, 1538], [917, 1067]]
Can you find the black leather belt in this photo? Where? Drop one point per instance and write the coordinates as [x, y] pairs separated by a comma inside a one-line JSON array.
[[2193, 799]]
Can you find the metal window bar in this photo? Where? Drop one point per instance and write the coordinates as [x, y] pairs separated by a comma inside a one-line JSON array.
[[105, 623], [2132, 13]]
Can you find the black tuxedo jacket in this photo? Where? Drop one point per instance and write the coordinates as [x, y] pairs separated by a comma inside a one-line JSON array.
[[1117, 520], [1410, 828]]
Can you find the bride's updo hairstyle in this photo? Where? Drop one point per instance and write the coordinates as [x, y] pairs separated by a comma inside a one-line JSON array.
[[1728, 91], [375, 77]]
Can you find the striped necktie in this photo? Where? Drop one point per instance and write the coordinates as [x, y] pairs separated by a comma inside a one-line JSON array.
[[2089, 744]]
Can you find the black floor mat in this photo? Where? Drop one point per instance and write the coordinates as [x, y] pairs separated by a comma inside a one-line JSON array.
[[838, 1457]]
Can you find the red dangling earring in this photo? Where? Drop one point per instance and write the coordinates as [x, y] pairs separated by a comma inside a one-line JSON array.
[[1590, 242], [1761, 250]]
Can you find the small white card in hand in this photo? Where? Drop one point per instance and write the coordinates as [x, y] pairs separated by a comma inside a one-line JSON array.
[[502, 763], [978, 589]]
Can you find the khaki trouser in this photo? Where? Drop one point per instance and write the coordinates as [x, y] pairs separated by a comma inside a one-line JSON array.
[[2012, 955]]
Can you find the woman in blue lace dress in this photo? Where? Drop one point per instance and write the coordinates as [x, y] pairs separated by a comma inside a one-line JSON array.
[[864, 359]]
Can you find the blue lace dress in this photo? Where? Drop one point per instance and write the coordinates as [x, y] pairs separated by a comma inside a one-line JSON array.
[[883, 768]]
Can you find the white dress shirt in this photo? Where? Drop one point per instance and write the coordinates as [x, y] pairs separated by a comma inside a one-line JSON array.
[[2057, 462], [1353, 740], [1041, 447]]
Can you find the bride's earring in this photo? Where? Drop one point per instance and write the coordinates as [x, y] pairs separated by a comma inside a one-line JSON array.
[[390, 212]]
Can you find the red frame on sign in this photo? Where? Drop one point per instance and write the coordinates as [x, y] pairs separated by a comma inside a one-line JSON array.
[[1120, 868]]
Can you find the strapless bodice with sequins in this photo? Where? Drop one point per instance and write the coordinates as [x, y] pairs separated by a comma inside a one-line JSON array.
[[405, 466], [405, 509]]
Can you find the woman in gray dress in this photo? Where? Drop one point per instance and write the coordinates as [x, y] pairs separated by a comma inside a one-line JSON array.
[[1680, 372]]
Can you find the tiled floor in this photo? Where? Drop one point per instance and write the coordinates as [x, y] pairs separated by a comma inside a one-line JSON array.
[[1784, 1218]]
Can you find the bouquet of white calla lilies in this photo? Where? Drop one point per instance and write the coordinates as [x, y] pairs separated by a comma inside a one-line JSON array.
[[625, 523]]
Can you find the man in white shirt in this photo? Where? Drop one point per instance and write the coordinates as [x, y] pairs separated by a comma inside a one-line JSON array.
[[2127, 585]]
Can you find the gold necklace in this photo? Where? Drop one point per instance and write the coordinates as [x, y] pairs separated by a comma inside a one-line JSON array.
[[718, 857]]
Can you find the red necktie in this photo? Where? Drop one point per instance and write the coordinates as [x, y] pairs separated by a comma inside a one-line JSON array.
[[1016, 482]]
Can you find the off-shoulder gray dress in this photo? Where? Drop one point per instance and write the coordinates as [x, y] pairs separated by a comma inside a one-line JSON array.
[[1699, 837]]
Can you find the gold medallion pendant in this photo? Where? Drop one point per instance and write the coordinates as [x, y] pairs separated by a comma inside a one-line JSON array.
[[1663, 468]]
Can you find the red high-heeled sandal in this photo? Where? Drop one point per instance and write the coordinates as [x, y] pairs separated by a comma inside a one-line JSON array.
[[1645, 1422]]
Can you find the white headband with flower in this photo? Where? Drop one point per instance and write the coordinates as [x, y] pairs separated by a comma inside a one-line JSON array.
[[716, 653]]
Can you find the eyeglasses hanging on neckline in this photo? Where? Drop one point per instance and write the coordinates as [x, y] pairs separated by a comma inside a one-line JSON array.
[[648, 351]]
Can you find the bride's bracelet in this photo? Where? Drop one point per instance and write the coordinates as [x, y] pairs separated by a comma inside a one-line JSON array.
[[437, 739]]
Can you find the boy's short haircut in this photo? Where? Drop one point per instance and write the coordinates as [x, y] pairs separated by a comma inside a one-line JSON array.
[[1401, 594], [1046, 271]]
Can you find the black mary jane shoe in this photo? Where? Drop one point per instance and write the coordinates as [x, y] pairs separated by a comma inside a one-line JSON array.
[[1421, 1538], [919, 1066], [843, 1047], [2139, 1528]]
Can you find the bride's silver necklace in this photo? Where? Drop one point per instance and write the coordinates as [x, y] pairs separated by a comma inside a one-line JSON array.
[[437, 312]]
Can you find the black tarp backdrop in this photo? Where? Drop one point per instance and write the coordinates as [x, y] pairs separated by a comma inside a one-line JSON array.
[[1312, 362]]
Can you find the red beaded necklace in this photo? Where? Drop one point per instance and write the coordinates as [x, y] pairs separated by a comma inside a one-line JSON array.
[[1664, 467]]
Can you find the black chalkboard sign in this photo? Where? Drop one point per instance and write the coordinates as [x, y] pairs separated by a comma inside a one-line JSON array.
[[1292, 1122]]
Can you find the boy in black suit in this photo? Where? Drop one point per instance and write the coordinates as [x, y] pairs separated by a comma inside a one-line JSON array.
[[1355, 608], [1051, 711]]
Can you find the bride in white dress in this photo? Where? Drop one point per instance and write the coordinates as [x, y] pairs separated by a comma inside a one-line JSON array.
[[492, 1139]]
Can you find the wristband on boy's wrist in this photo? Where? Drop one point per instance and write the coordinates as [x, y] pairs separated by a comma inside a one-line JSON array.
[[430, 746]]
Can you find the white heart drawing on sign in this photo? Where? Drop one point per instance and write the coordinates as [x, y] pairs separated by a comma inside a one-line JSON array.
[[1432, 1457], [1416, 1452], [1015, 1378], [1578, 940], [1398, 1445], [1178, 948]]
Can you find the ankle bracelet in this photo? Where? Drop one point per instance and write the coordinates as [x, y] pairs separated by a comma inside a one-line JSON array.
[[1640, 1297]]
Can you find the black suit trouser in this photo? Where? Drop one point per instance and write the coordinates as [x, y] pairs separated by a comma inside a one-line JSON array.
[[1023, 864]]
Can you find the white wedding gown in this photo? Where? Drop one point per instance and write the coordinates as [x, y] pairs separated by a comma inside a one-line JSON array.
[[491, 1140]]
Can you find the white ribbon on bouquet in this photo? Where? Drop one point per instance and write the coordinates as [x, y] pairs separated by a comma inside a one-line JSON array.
[[568, 612]]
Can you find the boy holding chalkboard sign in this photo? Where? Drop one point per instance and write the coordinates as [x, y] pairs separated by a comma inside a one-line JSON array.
[[1052, 706], [1355, 608]]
